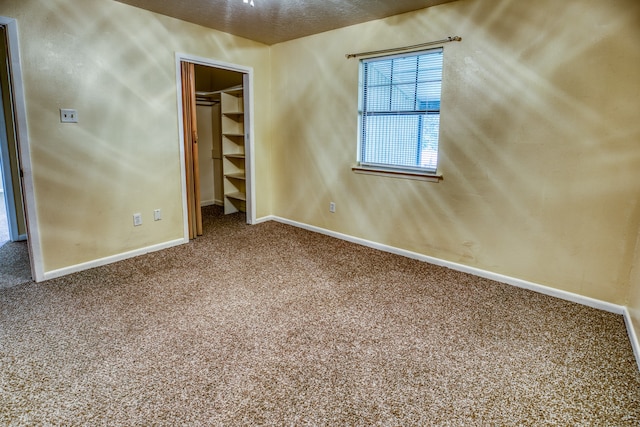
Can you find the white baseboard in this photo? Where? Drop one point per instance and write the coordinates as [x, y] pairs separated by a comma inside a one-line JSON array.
[[111, 259], [633, 337], [546, 290], [265, 219], [580, 299]]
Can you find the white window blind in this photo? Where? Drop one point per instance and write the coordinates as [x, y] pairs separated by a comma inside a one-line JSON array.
[[400, 111]]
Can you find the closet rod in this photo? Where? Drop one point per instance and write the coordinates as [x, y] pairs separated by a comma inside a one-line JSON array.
[[398, 49]]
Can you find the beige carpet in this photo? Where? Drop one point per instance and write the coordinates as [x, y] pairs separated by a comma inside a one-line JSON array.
[[273, 325], [14, 256], [14, 264]]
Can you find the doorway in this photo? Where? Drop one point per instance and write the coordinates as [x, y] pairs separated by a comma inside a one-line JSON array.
[[9, 163], [216, 130], [16, 260]]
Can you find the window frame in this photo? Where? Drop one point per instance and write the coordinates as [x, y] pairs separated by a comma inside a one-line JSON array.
[[386, 169]]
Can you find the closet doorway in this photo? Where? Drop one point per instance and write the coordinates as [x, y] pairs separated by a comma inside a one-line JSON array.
[[215, 126]]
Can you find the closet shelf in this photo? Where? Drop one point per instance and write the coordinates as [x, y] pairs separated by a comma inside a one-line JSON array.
[[236, 91], [239, 175], [237, 196], [233, 150]]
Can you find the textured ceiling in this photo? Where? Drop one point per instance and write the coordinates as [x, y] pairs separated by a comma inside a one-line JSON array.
[[275, 21]]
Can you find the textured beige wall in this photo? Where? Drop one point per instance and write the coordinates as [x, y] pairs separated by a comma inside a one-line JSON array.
[[115, 64], [539, 140]]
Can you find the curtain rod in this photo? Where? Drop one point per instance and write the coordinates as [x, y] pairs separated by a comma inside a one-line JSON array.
[[397, 49]]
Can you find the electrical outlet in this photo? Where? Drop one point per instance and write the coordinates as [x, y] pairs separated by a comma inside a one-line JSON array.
[[68, 115], [137, 219], [157, 215], [332, 207]]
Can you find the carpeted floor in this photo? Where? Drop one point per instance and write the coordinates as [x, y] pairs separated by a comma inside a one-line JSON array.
[[14, 256], [273, 325], [14, 264]]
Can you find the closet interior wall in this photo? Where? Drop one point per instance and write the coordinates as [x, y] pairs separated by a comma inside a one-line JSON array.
[[209, 150]]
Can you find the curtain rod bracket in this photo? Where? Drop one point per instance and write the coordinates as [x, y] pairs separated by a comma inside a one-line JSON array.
[[397, 49]]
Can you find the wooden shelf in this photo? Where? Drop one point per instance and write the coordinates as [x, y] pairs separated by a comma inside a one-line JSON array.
[[233, 165], [236, 91], [237, 196], [239, 175]]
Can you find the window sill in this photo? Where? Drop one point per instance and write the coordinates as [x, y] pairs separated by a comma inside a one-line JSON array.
[[420, 176]]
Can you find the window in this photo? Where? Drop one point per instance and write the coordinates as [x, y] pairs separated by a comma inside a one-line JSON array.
[[400, 112]]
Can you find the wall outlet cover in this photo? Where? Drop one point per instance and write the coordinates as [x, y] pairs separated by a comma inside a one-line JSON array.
[[68, 115]]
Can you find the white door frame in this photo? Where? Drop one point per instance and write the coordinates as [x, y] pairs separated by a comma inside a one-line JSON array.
[[248, 137], [22, 134]]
